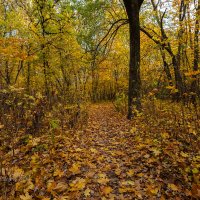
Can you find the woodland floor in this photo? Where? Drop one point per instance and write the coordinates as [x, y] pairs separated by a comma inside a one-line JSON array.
[[109, 159]]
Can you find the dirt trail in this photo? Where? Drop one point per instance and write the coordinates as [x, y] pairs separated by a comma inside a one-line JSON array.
[[110, 163], [106, 127]]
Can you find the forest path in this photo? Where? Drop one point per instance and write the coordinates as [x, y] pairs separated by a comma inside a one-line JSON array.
[[111, 163]]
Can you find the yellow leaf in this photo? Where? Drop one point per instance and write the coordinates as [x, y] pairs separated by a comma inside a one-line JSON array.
[[34, 142], [118, 171], [153, 190], [58, 173], [29, 186], [128, 182], [79, 150], [87, 192], [75, 168], [93, 150], [165, 135], [50, 185], [130, 172], [26, 197], [185, 155], [156, 152], [19, 186], [126, 189], [140, 175], [133, 130], [172, 187], [102, 179], [34, 159], [78, 184], [17, 173]]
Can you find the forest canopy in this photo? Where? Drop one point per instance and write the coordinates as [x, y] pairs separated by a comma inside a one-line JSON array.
[[80, 48]]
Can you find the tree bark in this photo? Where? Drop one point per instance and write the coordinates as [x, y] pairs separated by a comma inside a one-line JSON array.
[[166, 67], [133, 9], [194, 85]]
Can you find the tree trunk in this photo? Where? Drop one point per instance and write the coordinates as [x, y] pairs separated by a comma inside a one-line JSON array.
[[194, 85], [166, 67], [133, 9]]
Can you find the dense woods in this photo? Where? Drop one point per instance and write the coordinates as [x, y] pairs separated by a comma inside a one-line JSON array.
[[99, 99]]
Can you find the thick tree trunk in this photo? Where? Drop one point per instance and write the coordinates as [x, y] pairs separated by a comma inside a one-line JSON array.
[[133, 9]]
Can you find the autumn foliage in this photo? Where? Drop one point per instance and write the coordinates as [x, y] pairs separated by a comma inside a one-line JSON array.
[[64, 78]]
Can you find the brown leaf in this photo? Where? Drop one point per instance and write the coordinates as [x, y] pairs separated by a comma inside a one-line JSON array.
[[61, 187], [196, 191], [106, 190]]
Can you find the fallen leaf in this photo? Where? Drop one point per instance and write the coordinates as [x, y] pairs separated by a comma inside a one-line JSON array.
[[107, 190], [128, 183], [61, 187], [196, 190], [87, 192], [165, 135], [133, 130], [50, 185], [185, 155], [126, 189], [130, 172], [17, 173], [93, 150], [195, 171], [1, 126], [172, 187], [153, 190], [102, 179], [78, 184], [118, 171], [75, 168], [26, 197], [58, 173]]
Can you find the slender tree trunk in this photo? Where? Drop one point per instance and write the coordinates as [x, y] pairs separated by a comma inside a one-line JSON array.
[[45, 75], [21, 65], [176, 60], [166, 67], [194, 85], [7, 72], [28, 77]]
